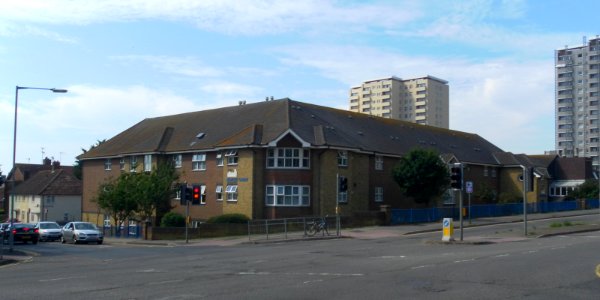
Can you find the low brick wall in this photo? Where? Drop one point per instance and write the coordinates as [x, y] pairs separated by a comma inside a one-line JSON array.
[[203, 231]]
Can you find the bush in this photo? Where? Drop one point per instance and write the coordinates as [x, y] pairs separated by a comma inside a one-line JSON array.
[[229, 218], [172, 219]]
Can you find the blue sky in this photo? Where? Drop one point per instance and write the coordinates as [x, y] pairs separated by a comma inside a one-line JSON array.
[[123, 61]]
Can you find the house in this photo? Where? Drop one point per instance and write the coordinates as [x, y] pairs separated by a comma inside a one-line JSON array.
[[49, 195], [567, 173], [282, 158]]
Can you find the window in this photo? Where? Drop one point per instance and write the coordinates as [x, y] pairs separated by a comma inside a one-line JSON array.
[[232, 157], [378, 194], [378, 163], [342, 197], [219, 192], [132, 164], [177, 159], [231, 192], [342, 158], [287, 195], [219, 158], [494, 172], [178, 194], [107, 164], [485, 171], [199, 162], [203, 194], [288, 158], [147, 163], [122, 163]]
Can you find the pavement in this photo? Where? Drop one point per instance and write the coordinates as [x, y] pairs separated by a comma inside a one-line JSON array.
[[371, 233]]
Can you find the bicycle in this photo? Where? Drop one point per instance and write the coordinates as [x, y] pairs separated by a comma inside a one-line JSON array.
[[318, 225]]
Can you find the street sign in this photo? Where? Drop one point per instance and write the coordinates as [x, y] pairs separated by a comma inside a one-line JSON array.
[[469, 185], [448, 230]]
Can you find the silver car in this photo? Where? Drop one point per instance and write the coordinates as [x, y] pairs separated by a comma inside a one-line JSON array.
[[49, 231], [81, 232]]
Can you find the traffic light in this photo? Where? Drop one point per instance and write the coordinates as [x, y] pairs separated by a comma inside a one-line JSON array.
[[342, 184], [196, 195], [182, 194], [456, 176]]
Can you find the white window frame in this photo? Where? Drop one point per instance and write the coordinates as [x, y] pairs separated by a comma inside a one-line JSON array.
[[199, 161], [148, 163], [203, 194], [177, 160], [378, 162], [132, 164], [342, 197], [232, 193], [122, 164], [287, 195], [107, 164], [220, 158], [232, 157], [378, 194], [342, 158], [288, 158], [219, 192]]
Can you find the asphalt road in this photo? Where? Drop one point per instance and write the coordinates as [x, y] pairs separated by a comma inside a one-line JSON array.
[[410, 267]]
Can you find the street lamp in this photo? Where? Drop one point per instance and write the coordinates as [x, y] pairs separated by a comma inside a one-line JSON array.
[[14, 158]]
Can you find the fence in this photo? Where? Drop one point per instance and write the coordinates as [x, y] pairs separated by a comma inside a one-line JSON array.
[[424, 215], [290, 228], [130, 231]]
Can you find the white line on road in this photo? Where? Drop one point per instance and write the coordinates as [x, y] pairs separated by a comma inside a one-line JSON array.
[[420, 267], [464, 260], [502, 255], [164, 282], [61, 278]]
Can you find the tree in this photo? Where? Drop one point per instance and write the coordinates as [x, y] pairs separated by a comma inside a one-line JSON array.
[[422, 175], [156, 191], [586, 190], [117, 197]]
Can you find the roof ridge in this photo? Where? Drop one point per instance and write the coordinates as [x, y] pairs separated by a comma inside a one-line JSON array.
[[51, 180]]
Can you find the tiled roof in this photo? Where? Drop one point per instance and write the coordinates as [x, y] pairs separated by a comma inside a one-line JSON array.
[[48, 182], [257, 124]]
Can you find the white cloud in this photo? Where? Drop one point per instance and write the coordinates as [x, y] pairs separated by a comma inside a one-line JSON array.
[[185, 66], [233, 16]]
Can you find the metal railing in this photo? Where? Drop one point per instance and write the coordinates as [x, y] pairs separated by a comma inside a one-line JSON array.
[[290, 228]]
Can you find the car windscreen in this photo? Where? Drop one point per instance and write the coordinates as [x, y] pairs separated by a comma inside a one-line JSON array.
[[85, 226], [49, 226]]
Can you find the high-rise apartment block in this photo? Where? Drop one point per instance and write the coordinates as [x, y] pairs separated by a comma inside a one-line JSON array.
[[422, 100], [577, 80]]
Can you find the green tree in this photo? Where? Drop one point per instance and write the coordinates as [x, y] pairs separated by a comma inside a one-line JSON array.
[[156, 191], [485, 193], [422, 175], [117, 197], [586, 190]]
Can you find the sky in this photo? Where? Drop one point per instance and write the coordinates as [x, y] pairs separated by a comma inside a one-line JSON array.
[[126, 60]]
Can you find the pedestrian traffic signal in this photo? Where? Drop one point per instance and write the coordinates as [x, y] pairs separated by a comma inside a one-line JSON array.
[[342, 184], [184, 195], [456, 177], [196, 195]]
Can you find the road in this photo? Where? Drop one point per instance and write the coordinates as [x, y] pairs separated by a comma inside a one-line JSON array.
[[410, 267]]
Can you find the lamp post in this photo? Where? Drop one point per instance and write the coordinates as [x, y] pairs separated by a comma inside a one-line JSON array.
[[14, 158]]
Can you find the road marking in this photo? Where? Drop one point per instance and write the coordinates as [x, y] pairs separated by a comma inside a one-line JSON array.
[[530, 251], [391, 256], [164, 282], [464, 260], [502, 255], [61, 278], [301, 274], [420, 267]]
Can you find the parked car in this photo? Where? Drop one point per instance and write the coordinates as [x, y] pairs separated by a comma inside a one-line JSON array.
[[49, 231], [3, 227], [22, 233], [84, 232]]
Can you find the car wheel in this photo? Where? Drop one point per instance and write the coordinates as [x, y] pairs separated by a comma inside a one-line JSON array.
[[62, 240], [34, 242], [99, 242], [74, 239]]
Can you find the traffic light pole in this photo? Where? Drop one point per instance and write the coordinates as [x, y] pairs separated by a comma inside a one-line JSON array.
[[187, 219]]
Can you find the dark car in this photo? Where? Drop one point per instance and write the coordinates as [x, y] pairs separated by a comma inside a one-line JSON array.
[[3, 227], [22, 233]]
